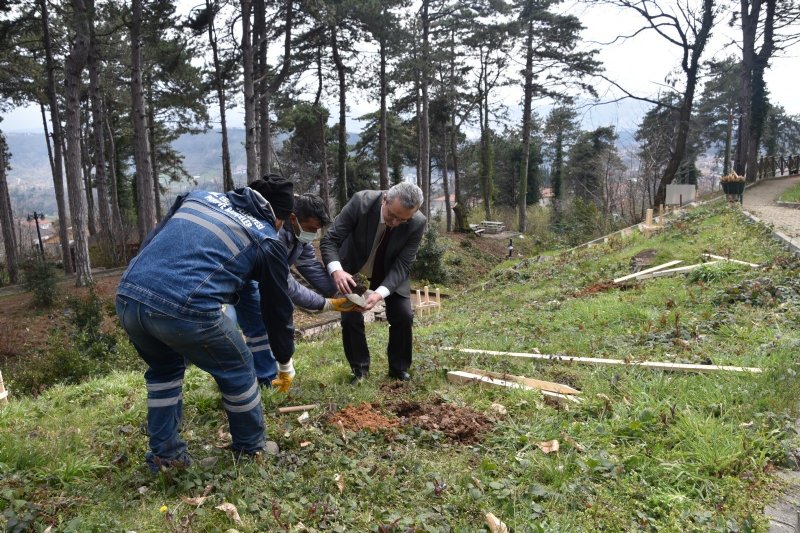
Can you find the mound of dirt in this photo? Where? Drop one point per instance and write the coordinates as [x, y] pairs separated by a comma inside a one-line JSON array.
[[363, 416], [460, 424]]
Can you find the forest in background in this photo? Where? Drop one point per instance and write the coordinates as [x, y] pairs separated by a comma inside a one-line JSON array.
[[119, 83]]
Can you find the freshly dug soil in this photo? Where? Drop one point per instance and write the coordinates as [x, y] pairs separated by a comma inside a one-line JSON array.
[[363, 416], [460, 424]]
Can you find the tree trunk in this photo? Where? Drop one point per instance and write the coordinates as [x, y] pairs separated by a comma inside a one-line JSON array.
[[7, 217], [691, 69], [558, 166], [383, 144], [262, 86], [522, 189], [342, 155], [145, 202], [100, 177], [151, 139], [47, 139], [446, 184], [55, 120], [324, 187], [73, 68], [86, 168], [425, 155], [250, 143], [227, 175], [726, 164], [116, 216]]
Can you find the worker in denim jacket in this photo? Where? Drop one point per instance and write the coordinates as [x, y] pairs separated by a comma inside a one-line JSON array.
[[169, 301], [302, 228]]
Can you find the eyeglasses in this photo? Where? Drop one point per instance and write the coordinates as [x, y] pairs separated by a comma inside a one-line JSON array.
[[393, 218]]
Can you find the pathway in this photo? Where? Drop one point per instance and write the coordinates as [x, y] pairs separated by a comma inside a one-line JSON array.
[[760, 200]]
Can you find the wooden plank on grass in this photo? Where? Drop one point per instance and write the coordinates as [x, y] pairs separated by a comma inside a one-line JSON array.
[[647, 271], [712, 256], [671, 271], [296, 408], [530, 382], [458, 376], [677, 367]]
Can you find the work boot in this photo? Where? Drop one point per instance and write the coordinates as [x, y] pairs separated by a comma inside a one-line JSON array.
[[157, 464]]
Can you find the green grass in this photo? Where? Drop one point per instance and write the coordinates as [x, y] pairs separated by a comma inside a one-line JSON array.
[[791, 195], [644, 450]]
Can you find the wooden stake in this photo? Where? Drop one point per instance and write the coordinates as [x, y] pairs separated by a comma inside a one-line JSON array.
[[646, 271], [530, 382], [678, 367], [438, 297], [419, 298], [296, 408], [671, 271], [3, 391], [648, 220], [458, 376], [660, 212], [712, 256]]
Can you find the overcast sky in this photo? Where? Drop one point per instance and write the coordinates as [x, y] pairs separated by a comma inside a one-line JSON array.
[[640, 65]]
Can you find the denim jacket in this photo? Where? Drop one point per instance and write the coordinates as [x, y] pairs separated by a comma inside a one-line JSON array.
[[206, 250]]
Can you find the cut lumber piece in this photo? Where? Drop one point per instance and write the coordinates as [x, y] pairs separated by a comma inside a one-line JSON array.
[[459, 376], [3, 391], [671, 271], [712, 256], [680, 367], [648, 270], [535, 383], [296, 408]]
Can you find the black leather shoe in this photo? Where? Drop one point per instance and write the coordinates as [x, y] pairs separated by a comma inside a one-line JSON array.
[[356, 379], [400, 376]]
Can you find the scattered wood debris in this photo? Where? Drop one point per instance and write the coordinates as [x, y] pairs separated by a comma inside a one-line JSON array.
[[297, 408], [495, 524], [721, 258], [636, 275], [681, 367], [3, 391], [427, 304], [530, 382], [458, 376], [672, 271]]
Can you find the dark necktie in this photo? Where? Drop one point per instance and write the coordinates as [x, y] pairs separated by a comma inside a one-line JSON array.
[[379, 265]]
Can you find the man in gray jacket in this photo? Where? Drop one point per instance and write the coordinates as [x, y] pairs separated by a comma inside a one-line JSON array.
[[377, 233]]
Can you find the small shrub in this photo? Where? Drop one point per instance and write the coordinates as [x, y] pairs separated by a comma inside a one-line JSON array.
[[39, 277], [429, 264]]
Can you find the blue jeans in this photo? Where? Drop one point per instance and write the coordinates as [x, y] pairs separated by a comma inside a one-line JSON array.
[[247, 313], [215, 346]]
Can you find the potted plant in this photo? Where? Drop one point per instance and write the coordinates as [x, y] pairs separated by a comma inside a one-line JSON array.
[[732, 183]]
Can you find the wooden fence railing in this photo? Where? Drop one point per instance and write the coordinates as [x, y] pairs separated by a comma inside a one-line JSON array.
[[771, 166]]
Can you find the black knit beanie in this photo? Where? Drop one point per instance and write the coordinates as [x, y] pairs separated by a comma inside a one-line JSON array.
[[278, 191]]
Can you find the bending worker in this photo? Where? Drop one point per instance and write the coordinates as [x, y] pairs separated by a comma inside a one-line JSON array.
[[170, 300], [377, 233], [302, 228]]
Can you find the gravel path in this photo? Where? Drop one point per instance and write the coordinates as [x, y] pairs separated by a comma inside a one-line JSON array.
[[760, 200]]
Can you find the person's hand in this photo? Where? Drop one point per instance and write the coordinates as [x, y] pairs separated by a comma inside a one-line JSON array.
[[372, 299], [342, 305], [344, 282], [285, 377]]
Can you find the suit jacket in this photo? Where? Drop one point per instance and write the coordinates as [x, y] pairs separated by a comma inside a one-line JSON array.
[[349, 240]]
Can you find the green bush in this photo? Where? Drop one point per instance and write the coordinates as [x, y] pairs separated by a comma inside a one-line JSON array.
[[39, 277], [80, 351], [429, 264]]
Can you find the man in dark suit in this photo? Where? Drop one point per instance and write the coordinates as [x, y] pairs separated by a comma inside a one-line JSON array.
[[377, 233]]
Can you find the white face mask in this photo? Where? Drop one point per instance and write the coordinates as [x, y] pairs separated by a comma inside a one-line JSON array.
[[303, 236], [307, 237]]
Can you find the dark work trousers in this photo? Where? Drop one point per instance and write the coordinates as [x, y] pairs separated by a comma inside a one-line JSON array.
[[398, 313]]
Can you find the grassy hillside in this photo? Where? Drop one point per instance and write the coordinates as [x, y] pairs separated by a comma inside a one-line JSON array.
[[644, 450]]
